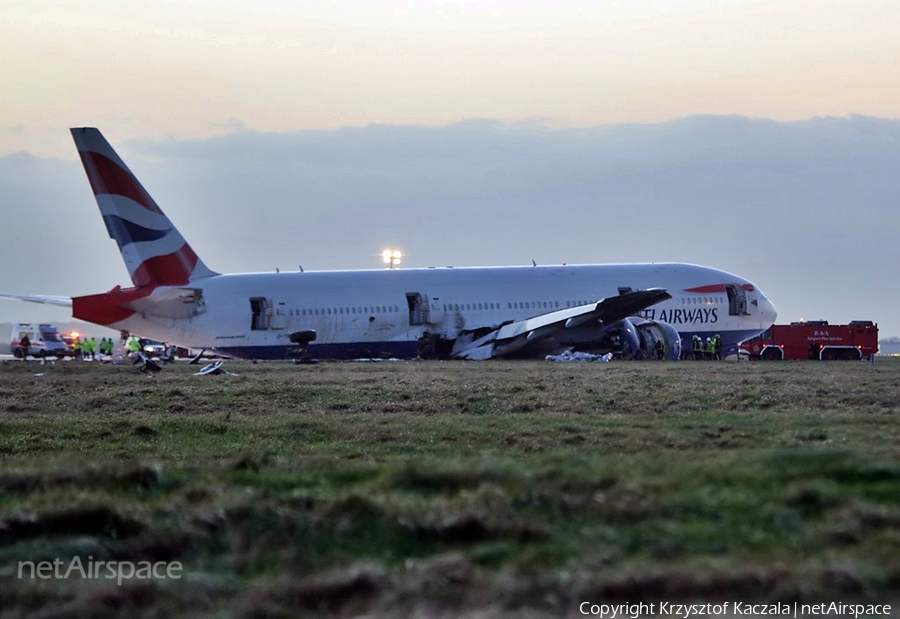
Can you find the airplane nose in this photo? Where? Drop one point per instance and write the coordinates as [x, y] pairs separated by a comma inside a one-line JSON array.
[[767, 311]]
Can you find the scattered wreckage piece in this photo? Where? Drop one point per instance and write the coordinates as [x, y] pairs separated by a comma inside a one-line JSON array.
[[214, 368]]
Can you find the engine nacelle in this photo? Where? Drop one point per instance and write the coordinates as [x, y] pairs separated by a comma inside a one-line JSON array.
[[658, 339], [626, 340], [639, 338], [629, 338]]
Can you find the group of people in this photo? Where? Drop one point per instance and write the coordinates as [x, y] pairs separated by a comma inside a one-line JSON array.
[[706, 350], [90, 348]]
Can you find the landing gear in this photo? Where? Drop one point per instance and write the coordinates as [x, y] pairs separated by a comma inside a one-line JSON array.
[[301, 339]]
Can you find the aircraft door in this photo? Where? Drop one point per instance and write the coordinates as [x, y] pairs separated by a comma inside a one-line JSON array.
[[436, 313], [279, 316], [260, 309], [418, 308], [266, 314], [752, 304], [737, 300]]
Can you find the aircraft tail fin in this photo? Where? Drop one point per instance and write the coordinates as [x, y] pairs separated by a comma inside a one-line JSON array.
[[154, 251]]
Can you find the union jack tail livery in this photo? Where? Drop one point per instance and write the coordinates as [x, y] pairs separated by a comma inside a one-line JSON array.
[[154, 251]]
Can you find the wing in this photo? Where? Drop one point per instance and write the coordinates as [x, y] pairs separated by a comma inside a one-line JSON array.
[[514, 336], [38, 298]]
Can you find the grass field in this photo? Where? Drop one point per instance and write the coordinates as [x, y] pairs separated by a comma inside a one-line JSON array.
[[477, 489]]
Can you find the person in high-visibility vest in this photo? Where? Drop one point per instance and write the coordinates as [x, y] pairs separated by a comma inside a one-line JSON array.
[[697, 347], [133, 348], [78, 347]]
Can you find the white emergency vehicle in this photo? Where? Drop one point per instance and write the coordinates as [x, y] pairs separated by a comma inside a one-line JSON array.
[[45, 341]]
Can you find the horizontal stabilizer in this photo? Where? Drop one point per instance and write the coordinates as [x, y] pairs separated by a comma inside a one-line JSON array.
[[171, 303], [38, 298], [111, 308]]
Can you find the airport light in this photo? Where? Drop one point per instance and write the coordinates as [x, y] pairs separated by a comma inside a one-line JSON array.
[[391, 257]]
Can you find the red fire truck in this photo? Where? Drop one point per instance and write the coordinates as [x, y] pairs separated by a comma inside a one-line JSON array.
[[815, 339]]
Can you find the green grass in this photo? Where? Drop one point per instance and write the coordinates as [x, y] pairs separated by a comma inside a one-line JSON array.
[[350, 487]]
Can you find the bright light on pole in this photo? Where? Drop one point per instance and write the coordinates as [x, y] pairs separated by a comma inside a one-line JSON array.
[[391, 257]]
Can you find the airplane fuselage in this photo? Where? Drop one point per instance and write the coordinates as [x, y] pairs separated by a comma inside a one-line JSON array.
[[387, 312]]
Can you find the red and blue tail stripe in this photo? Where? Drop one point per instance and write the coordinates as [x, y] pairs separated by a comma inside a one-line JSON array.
[[153, 250]]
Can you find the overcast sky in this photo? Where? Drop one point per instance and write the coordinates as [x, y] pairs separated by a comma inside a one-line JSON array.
[[195, 68], [748, 135]]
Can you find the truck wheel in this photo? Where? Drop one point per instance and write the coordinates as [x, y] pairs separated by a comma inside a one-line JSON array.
[[17, 353], [772, 354]]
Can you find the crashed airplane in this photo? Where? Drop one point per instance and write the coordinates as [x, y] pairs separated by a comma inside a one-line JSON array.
[[464, 313]]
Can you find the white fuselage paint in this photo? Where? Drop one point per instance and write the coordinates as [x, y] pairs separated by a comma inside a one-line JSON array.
[[355, 309]]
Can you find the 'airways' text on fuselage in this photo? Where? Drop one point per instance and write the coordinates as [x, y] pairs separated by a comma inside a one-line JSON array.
[[682, 316]]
